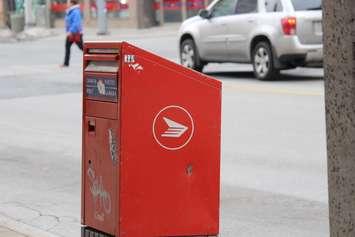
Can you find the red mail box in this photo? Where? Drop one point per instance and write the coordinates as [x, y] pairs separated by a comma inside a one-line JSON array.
[[151, 145]]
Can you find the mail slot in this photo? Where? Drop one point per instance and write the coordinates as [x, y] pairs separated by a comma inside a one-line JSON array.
[[151, 145]]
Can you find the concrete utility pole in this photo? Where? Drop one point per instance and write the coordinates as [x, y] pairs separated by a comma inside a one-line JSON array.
[[29, 18], [162, 15], [339, 46], [143, 13], [87, 18], [101, 17], [184, 9], [48, 15]]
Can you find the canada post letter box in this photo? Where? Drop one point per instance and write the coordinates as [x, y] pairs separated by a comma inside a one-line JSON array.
[[151, 145]]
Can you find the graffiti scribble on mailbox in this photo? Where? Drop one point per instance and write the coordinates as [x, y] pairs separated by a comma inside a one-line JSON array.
[[101, 198], [113, 145], [136, 66]]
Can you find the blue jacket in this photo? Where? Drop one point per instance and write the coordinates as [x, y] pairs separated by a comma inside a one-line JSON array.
[[73, 20]]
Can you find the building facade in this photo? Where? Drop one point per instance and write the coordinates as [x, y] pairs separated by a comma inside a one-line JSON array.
[[124, 12]]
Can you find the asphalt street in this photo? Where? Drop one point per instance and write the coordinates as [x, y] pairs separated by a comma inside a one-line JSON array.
[[274, 174]]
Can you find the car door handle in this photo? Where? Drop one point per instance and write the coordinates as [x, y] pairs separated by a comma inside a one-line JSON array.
[[251, 21]]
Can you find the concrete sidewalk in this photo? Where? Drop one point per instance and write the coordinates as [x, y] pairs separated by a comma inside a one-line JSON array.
[[5, 232], [10, 227], [90, 33]]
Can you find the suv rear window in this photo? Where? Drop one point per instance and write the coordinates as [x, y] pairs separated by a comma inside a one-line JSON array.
[[246, 6], [307, 5], [273, 6]]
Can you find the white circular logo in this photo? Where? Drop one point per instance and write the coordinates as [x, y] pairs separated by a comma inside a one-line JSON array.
[[173, 127]]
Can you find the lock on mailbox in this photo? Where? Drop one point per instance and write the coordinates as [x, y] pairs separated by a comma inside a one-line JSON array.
[[151, 145]]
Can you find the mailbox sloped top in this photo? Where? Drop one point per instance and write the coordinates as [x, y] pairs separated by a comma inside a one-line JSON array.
[[176, 67]]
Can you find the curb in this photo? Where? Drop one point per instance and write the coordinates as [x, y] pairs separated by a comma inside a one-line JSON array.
[[23, 228]]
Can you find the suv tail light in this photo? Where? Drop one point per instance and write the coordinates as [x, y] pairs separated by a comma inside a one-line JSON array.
[[289, 25]]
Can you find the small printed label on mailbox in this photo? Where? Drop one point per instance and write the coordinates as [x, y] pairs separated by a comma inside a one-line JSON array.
[[101, 88]]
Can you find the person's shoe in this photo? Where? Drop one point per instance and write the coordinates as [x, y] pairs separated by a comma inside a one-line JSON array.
[[63, 65]]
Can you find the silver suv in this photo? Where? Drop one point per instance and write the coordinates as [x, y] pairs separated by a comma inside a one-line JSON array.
[[273, 35]]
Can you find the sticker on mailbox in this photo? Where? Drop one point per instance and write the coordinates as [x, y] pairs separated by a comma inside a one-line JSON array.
[[173, 127], [101, 88]]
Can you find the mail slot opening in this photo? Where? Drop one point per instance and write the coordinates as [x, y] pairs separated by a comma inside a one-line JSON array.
[[102, 66], [103, 51]]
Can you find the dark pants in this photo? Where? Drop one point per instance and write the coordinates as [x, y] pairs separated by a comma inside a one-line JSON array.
[[68, 44]]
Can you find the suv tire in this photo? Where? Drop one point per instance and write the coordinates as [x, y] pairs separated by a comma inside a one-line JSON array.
[[263, 62], [189, 56]]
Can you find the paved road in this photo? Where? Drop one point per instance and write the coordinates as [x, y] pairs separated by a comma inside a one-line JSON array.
[[274, 179]]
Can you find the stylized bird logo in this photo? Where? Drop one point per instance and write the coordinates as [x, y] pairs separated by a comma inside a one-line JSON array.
[[175, 129]]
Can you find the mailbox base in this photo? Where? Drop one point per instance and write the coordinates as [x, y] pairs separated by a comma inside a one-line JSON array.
[[90, 232]]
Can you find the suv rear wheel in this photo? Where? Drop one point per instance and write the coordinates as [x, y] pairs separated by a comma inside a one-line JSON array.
[[263, 62], [189, 56]]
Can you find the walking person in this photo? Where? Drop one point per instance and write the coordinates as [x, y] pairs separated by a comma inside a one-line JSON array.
[[74, 29]]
